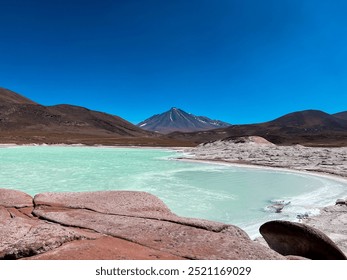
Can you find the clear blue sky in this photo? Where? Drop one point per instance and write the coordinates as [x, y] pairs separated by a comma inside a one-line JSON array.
[[241, 61]]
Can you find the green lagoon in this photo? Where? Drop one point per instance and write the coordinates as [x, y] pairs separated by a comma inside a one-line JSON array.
[[230, 194]]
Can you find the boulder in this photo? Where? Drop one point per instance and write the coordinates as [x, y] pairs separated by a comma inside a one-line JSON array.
[[114, 225], [14, 198], [186, 241], [289, 238]]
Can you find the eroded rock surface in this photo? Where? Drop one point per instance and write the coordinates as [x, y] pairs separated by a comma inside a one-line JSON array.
[[289, 238], [105, 247], [115, 225], [14, 198], [255, 151], [25, 237]]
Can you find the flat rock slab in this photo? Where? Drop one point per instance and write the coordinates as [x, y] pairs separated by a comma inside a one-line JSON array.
[[290, 238], [124, 203], [104, 248], [114, 225], [14, 198], [170, 237], [127, 203]]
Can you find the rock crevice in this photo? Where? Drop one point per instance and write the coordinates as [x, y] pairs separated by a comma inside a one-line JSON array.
[[137, 225], [109, 225]]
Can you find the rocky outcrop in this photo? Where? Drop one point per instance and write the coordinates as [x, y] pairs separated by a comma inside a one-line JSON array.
[[23, 235], [332, 220], [297, 239], [114, 225], [253, 150]]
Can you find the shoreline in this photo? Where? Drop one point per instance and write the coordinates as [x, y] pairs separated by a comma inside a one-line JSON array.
[[318, 221], [331, 219], [266, 167]]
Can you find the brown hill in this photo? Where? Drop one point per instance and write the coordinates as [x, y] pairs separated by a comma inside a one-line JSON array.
[[310, 120], [24, 121], [8, 96], [310, 127]]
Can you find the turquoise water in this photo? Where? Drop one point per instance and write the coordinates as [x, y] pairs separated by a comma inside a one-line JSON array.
[[236, 195]]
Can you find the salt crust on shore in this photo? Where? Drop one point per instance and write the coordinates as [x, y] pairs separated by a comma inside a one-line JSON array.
[[331, 162], [323, 160]]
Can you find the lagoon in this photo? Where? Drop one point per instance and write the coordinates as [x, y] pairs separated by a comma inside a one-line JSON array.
[[229, 194]]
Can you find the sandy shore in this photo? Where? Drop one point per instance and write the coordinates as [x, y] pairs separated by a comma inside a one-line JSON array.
[[330, 162]]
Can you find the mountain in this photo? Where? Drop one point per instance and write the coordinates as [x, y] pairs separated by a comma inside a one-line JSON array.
[[309, 127], [178, 120], [341, 115], [24, 121], [310, 120]]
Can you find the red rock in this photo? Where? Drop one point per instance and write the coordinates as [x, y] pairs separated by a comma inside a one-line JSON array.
[[104, 248], [128, 203], [4, 214], [27, 211], [14, 198], [14, 212], [114, 225], [171, 237], [25, 237]]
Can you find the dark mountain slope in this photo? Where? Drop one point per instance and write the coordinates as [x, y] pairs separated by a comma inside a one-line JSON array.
[[178, 120], [310, 127], [24, 121], [309, 120]]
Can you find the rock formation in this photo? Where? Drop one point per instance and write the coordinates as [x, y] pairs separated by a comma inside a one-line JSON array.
[[258, 151], [113, 225], [297, 239]]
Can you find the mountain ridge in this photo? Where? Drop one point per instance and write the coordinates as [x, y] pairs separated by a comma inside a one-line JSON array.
[[23, 121]]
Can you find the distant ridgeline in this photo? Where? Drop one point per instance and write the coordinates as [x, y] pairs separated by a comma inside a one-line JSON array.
[[310, 127], [24, 121]]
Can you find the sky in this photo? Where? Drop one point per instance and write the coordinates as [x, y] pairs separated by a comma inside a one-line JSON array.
[[240, 61]]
